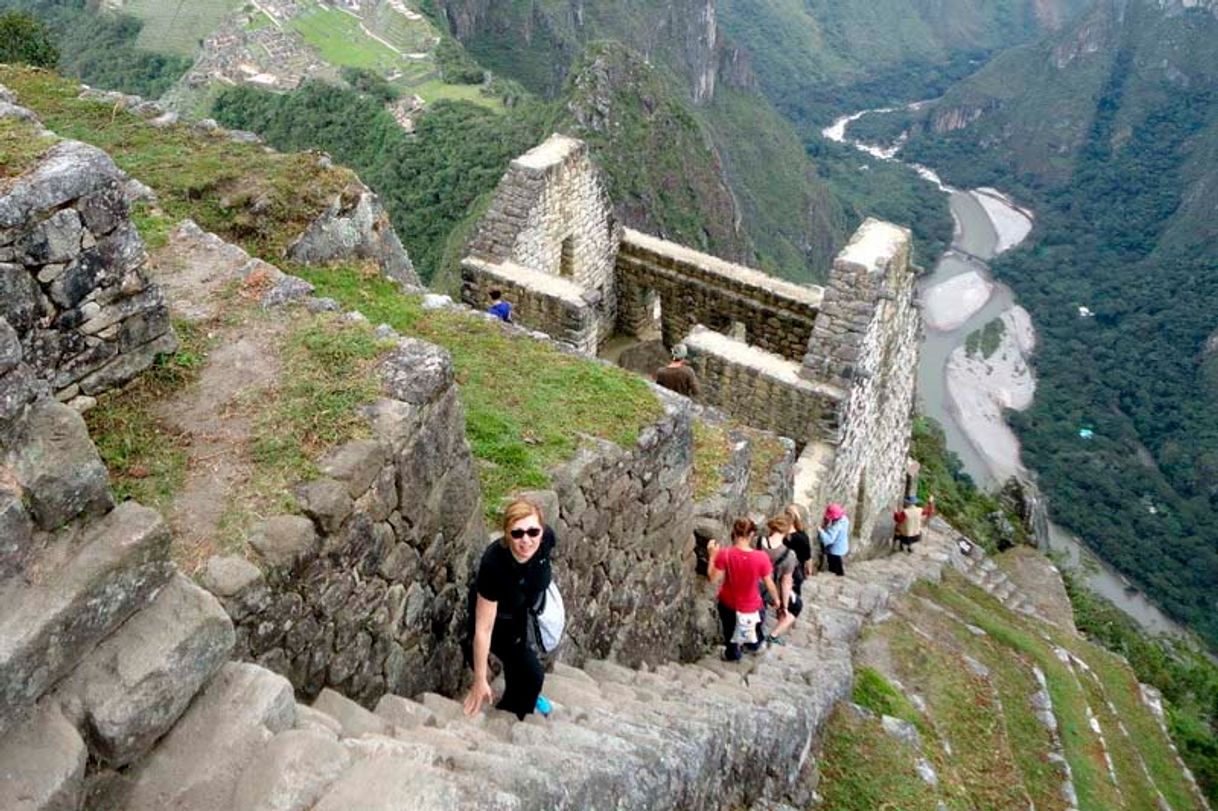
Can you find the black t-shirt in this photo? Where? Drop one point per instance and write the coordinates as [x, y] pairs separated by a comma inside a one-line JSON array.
[[515, 586], [799, 543]]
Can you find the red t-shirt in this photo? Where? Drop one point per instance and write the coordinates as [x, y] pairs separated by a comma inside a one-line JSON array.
[[743, 570]]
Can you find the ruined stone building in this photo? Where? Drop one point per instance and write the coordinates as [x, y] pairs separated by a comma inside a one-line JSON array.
[[831, 367]]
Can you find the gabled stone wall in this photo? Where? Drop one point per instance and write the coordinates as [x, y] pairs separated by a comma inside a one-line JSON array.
[[551, 214], [866, 341], [71, 273]]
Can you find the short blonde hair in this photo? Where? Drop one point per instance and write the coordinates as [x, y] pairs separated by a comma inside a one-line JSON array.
[[518, 510]]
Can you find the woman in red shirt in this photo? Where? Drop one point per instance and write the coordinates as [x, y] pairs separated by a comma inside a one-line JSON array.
[[741, 608]]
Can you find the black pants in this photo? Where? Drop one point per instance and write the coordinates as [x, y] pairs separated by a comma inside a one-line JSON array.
[[523, 673], [834, 562], [906, 542], [731, 650]]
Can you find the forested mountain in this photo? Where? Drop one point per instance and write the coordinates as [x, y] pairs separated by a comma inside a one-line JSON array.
[[789, 223], [1110, 130], [818, 58]]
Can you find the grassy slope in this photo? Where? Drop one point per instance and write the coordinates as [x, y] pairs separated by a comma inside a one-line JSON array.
[[1000, 750], [177, 27], [527, 404]]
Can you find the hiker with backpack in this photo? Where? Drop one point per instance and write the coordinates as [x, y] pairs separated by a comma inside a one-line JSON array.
[[514, 602], [741, 609], [785, 564]]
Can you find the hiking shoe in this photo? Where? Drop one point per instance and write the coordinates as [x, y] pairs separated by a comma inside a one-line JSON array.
[[775, 640], [544, 707]]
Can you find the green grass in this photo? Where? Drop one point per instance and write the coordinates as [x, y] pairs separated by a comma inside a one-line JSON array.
[[259, 200], [767, 451], [258, 20], [339, 40], [20, 146], [1082, 748], [964, 711], [712, 450], [876, 693], [327, 374], [175, 26], [146, 459], [863, 768], [1011, 675], [528, 406], [154, 227]]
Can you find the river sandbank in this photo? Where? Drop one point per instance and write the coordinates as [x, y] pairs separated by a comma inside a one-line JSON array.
[[980, 389], [949, 305]]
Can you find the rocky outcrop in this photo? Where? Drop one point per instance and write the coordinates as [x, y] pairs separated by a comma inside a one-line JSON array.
[[72, 284], [355, 227]]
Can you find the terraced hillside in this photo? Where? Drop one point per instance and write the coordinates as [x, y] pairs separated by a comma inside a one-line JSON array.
[[177, 26], [962, 702]]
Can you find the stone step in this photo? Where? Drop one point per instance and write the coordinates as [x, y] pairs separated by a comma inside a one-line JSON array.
[[42, 763], [82, 587], [291, 772], [987, 565], [1005, 590], [196, 767], [394, 784], [404, 713], [354, 719], [131, 689]]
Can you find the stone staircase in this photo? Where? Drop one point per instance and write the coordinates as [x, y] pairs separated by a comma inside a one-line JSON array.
[[984, 573], [708, 734]]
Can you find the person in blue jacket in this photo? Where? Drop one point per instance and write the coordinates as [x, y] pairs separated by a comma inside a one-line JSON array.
[[499, 308], [835, 538]]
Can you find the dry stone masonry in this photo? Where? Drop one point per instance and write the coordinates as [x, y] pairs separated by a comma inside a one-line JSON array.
[[833, 368], [71, 273]]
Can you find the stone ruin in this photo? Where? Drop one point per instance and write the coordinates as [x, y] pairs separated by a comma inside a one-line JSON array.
[[831, 367], [117, 685]]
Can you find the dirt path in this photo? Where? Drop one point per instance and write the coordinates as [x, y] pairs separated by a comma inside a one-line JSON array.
[[202, 278]]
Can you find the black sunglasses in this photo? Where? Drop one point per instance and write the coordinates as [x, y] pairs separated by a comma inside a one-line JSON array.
[[532, 532]]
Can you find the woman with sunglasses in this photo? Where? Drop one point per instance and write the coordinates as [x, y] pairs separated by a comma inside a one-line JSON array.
[[514, 573]]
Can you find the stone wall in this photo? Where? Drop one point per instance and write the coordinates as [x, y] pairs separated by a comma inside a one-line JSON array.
[[866, 341], [71, 273], [625, 557], [365, 593], [762, 389], [545, 303], [552, 214], [695, 288]]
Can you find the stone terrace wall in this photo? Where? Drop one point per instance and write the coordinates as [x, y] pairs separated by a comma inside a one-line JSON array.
[[696, 288], [546, 303], [625, 559], [762, 389], [71, 278], [552, 214], [367, 593], [866, 340]]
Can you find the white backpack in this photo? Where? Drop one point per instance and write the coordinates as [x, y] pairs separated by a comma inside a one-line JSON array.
[[548, 619]]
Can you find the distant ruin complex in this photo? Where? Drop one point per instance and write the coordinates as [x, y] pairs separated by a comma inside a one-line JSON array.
[[831, 367]]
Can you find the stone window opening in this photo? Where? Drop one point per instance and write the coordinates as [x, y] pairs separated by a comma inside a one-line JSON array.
[[738, 332], [566, 258], [653, 307]]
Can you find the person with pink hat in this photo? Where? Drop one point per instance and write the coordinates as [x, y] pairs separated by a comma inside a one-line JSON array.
[[835, 538]]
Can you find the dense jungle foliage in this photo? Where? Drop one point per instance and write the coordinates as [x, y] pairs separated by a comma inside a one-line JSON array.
[[1127, 236], [99, 49]]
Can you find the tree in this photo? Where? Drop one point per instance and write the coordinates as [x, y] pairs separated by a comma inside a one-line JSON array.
[[26, 40]]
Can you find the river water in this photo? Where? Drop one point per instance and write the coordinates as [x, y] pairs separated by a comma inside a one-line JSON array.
[[975, 242]]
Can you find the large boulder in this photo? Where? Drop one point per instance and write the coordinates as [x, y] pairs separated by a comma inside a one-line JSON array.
[[355, 227], [58, 466], [77, 591], [133, 687]]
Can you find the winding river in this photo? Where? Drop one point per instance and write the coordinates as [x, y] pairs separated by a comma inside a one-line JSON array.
[[968, 398]]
